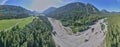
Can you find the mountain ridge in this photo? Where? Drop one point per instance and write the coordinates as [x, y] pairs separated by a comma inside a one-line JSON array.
[[11, 11], [76, 7], [47, 11]]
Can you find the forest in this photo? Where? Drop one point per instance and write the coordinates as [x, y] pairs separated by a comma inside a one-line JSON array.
[[35, 34]]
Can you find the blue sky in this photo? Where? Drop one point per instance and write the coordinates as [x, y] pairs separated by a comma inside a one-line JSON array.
[[41, 5]]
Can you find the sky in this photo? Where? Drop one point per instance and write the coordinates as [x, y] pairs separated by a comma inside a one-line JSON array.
[[41, 5]]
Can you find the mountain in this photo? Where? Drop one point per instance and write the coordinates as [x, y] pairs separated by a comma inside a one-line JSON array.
[[91, 9], [10, 11], [74, 8], [35, 13], [113, 12], [13, 9], [104, 11], [47, 11], [78, 16]]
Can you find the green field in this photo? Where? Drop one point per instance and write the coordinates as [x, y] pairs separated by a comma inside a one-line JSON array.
[[113, 34], [9, 23]]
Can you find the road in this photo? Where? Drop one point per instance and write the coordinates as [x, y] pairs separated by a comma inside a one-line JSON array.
[[64, 37]]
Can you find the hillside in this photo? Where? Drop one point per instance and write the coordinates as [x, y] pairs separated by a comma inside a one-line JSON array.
[[73, 8], [78, 16], [49, 10], [10, 11], [104, 11], [13, 9]]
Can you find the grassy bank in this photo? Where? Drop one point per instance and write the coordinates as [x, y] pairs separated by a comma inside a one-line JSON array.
[[113, 34], [6, 24]]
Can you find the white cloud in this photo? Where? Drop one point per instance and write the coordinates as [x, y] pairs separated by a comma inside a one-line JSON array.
[[40, 5], [3, 2]]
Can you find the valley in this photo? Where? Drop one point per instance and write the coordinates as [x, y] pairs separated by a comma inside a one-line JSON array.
[[75, 24]]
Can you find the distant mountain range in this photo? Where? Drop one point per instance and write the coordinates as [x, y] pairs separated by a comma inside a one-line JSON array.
[[76, 7], [104, 11], [107, 12], [47, 11]]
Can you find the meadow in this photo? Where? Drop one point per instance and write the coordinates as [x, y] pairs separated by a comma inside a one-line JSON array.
[[9, 23], [113, 34]]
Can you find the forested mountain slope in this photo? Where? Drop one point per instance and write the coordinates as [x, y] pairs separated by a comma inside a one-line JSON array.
[[77, 8], [49, 10], [10, 11], [78, 16]]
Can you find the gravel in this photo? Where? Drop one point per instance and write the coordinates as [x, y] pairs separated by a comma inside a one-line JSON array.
[[65, 38]]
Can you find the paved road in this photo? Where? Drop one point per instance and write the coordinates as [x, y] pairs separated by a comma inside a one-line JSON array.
[[63, 36]]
